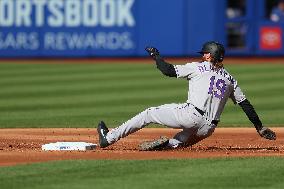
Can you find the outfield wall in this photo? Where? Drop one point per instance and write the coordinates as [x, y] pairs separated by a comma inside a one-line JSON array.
[[118, 28]]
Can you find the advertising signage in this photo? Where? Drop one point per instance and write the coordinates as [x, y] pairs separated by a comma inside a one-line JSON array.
[[67, 27], [123, 28]]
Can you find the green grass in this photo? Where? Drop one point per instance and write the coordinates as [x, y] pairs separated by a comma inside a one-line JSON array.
[[192, 173], [80, 95]]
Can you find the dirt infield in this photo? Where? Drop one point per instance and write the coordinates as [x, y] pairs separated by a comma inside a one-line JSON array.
[[20, 146]]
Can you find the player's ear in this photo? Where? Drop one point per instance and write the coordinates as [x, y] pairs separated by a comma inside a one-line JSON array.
[[211, 57]]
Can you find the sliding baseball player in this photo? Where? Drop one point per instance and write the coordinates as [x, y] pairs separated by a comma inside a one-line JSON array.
[[210, 87]]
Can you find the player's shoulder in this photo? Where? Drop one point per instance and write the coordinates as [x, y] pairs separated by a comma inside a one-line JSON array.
[[193, 64], [227, 72], [227, 75]]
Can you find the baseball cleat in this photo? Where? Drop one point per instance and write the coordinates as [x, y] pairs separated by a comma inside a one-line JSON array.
[[102, 131], [158, 144]]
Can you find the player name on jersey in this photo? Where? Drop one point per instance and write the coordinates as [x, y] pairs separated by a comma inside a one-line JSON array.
[[222, 72]]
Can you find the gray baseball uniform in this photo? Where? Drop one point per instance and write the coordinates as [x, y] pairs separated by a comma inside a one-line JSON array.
[[209, 90]]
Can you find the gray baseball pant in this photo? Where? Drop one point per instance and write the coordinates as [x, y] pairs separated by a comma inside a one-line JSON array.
[[178, 116]]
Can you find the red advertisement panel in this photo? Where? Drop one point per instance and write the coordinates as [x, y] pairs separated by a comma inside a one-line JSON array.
[[270, 38]]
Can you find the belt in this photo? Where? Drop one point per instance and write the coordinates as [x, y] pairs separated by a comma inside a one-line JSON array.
[[200, 111], [215, 122]]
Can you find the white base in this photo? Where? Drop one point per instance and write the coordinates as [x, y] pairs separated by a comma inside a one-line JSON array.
[[66, 146]]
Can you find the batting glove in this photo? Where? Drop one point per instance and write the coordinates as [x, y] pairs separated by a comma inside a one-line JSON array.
[[153, 52]]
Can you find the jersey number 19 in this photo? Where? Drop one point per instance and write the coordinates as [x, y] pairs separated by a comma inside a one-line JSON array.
[[217, 87]]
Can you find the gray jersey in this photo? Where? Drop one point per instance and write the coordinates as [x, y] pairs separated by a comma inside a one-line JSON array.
[[209, 89]]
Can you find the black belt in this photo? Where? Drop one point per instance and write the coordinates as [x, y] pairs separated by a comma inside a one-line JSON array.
[[215, 122], [200, 111]]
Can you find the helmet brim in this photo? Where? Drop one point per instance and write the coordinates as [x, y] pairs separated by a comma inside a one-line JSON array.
[[202, 52]]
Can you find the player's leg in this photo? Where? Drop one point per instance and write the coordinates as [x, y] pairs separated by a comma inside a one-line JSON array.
[[171, 115], [182, 138], [189, 137]]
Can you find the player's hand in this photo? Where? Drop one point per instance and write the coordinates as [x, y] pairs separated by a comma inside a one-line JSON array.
[[267, 133], [153, 52]]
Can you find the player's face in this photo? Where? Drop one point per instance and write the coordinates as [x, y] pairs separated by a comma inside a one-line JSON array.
[[206, 57]]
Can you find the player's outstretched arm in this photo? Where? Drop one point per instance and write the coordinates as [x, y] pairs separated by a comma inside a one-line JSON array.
[[166, 68], [253, 117]]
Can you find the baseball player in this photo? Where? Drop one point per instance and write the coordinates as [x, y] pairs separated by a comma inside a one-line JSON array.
[[210, 86]]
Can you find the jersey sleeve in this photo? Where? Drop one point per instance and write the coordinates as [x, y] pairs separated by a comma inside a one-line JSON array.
[[237, 95], [185, 71]]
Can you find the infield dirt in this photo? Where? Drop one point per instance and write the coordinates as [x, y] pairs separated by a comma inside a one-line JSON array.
[[21, 146]]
